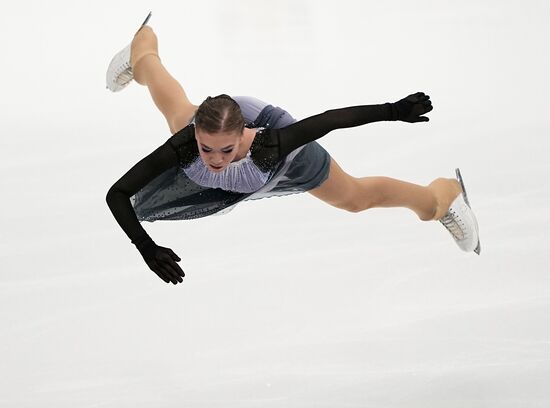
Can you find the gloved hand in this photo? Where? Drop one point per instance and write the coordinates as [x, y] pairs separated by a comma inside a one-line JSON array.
[[160, 260], [410, 108]]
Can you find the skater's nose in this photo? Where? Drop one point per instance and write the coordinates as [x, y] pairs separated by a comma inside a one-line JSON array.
[[218, 158]]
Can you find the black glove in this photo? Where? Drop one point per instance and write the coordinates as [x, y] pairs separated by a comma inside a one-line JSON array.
[[410, 108], [160, 260]]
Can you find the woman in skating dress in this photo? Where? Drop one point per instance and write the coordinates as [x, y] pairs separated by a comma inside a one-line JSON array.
[[233, 149]]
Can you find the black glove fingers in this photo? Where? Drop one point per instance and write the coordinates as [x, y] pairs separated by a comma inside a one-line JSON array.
[[178, 269], [154, 266], [172, 278], [171, 271], [168, 262], [174, 256], [161, 275], [159, 268], [173, 260]]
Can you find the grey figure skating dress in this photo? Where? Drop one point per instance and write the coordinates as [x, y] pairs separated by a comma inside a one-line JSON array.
[[283, 149]]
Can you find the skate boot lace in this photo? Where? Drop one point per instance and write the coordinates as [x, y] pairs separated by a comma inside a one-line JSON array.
[[124, 74], [454, 225]]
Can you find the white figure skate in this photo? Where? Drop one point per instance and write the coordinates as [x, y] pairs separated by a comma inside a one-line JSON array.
[[461, 222], [119, 72]]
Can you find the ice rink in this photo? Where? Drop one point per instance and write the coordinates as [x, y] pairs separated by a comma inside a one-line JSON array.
[[297, 303]]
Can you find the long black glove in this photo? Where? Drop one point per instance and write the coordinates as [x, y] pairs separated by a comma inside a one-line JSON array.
[[410, 108], [160, 260]]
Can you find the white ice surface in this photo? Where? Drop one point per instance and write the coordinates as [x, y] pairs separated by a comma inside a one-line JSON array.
[[297, 304]]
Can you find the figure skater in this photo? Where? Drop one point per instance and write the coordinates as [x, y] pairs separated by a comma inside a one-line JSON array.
[[233, 149]]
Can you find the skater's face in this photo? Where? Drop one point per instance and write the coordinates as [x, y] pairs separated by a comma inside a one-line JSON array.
[[217, 150]]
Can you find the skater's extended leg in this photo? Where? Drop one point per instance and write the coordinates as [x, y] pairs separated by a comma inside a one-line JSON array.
[[428, 202], [358, 194], [167, 93]]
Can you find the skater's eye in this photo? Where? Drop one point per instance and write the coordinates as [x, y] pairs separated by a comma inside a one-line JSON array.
[[223, 151], [208, 149]]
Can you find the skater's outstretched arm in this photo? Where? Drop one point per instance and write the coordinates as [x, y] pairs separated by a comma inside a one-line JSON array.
[[408, 109], [159, 259], [272, 145]]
